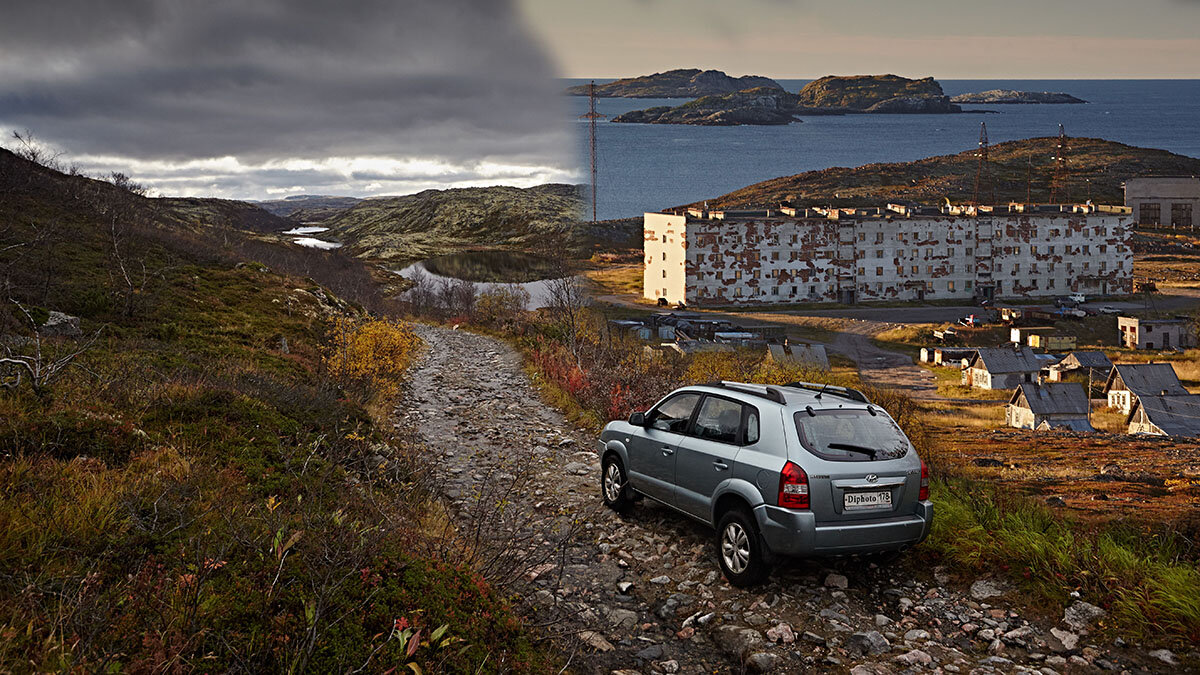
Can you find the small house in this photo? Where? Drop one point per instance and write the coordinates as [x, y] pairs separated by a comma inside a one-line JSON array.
[[1001, 367], [1135, 333], [811, 356], [1085, 366], [1059, 405], [1127, 382], [1177, 416], [1021, 334], [1052, 342]]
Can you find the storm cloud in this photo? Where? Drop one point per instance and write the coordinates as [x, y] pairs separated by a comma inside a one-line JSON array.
[[256, 98]]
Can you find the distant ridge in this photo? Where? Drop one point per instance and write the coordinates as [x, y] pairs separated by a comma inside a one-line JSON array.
[[680, 83]]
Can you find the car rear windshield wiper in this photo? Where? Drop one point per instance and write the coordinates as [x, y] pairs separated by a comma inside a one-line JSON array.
[[848, 447]]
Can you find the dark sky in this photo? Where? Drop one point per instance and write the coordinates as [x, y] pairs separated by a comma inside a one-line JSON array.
[[262, 98]]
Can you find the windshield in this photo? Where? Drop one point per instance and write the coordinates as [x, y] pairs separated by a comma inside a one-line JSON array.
[[850, 435]]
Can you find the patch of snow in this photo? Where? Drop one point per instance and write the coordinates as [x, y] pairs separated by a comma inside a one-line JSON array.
[[316, 243], [306, 230]]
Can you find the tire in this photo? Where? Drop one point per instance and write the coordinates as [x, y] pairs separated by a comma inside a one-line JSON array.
[[614, 485], [740, 551]]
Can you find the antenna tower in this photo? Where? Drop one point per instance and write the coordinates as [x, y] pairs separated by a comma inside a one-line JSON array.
[[983, 160], [1059, 184], [591, 117]]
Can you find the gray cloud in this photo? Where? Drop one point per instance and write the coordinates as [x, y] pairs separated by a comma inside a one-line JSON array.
[[455, 81]]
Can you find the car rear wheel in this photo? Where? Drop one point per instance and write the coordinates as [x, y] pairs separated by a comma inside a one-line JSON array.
[[614, 487], [740, 550]]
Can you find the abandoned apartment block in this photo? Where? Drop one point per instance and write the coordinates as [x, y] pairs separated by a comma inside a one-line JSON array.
[[898, 252], [1166, 201]]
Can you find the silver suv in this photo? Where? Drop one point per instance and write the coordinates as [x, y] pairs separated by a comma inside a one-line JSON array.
[[796, 470]]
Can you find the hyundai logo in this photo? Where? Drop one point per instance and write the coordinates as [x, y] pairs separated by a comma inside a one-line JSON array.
[[871, 478]]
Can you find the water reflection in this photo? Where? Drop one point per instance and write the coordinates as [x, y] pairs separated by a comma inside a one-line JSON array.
[[487, 270]]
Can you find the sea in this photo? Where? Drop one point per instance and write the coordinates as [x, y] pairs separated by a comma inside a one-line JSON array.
[[646, 167]]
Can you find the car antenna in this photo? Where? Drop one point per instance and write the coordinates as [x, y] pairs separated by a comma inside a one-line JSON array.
[[823, 388]]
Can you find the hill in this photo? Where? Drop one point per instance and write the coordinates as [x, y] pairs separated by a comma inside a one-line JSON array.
[[762, 105], [308, 208], [1097, 169], [876, 93], [436, 222], [679, 83], [213, 212]]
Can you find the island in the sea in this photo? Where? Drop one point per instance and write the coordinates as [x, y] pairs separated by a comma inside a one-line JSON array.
[[1007, 96], [830, 95], [679, 83]]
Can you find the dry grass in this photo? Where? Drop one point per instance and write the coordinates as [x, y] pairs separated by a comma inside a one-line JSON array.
[[622, 280]]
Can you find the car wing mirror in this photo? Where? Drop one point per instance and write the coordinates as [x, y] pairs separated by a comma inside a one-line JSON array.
[[638, 419]]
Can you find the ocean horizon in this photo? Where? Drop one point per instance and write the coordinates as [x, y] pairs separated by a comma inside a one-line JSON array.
[[647, 167]]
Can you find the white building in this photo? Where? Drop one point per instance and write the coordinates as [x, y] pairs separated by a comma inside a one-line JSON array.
[[1169, 201], [895, 253]]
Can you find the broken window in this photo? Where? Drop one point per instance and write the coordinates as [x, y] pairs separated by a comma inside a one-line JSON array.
[[878, 271], [915, 268], [970, 251]]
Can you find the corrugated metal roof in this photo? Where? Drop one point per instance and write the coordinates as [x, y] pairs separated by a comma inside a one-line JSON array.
[[1175, 415], [1150, 379], [813, 355], [1052, 398], [1008, 359], [1066, 425], [1086, 359]]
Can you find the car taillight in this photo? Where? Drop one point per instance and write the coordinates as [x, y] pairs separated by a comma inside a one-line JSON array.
[[793, 487], [924, 493]]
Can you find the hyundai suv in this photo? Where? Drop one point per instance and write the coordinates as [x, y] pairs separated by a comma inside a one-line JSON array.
[[796, 470]]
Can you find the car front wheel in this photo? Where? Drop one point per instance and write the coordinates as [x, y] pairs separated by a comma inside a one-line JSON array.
[[740, 549], [614, 486]]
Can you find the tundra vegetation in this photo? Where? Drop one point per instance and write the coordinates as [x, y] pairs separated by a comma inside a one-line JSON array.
[[198, 476]]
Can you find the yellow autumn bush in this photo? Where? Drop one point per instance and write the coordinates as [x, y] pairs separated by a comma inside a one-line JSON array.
[[373, 353]]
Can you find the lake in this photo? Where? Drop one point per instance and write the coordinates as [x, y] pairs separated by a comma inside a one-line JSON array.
[[487, 270]]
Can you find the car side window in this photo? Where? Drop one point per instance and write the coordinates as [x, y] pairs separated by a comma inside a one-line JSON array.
[[674, 413], [751, 425], [719, 419]]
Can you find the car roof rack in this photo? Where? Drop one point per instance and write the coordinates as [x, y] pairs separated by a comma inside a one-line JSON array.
[[840, 392], [769, 393]]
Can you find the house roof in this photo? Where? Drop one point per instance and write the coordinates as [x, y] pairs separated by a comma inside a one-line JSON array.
[[1146, 379], [1085, 359], [1020, 359], [1175, 415], [1073, 424], [813, 355], [1052, 398]]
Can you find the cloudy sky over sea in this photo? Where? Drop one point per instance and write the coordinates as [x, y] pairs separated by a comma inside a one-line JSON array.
[[272, 98]]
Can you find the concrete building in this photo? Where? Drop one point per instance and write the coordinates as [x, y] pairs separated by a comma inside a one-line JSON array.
[[1062, 405], [1127, 382], [1135, 333], [1168, 201], [1001, 367], [790, 255], [1166, 416]]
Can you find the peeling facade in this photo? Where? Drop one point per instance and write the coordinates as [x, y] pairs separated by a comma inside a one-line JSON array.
[[880, 254]]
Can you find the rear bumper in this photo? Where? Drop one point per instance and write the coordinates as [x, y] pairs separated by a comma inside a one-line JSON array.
[[796, 533]]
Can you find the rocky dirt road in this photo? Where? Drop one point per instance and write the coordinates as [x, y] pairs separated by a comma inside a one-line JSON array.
[[643, 594]]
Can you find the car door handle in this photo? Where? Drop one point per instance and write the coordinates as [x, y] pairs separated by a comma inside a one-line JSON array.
[[720, 466], [667, 452]]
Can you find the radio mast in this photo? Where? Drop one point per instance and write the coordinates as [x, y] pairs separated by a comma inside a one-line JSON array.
[[591, 117]]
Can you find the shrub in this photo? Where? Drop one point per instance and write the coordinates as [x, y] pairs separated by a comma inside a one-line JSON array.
[[370, 354]]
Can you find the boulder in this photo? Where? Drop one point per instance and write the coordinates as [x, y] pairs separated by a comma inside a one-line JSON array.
[[870, 643], [1081, 616]]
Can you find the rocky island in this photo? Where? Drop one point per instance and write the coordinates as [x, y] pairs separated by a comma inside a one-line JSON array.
[[1006, 96], [679, 83], [832, 95]]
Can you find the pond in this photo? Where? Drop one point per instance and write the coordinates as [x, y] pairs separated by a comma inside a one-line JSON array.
[[493, 269]]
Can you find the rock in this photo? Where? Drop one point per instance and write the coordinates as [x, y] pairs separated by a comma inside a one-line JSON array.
[[986, 588], [622, 618], [762, 662], [738, 641], [59, 324], [1062, 640], [1055, 500], [1009, 96], [915, 658], [915, 105], [595, 641], [668, 667], [1164, 655], [881, 620], [661, 580], [624, 586], [678, 83], [870, 643], [834, 580], [1019, 636], [577, 468], [916, 634], [813, 638], [651, 653], [1081, 615], [905, 604], [782, 633]]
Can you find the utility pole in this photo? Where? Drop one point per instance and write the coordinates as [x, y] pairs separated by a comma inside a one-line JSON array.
[[591, 117], [983, 158], [1059, 181]]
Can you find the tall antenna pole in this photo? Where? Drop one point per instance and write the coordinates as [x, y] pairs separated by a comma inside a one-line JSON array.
[[1059, 181], [983, 158], [591, 117], [1029, 177]]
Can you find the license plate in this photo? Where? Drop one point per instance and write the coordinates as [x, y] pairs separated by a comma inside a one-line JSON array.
[[855, 501]]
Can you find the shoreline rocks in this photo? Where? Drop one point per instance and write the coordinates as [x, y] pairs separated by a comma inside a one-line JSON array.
[[1013, 97]]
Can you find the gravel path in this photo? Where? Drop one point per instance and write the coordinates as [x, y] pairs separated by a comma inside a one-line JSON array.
[[643, 594]]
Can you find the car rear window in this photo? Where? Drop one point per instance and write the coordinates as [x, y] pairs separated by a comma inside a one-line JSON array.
[[850, 435]]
